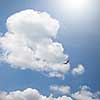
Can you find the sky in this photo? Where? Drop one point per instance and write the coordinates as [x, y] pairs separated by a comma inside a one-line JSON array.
[[36, 36]]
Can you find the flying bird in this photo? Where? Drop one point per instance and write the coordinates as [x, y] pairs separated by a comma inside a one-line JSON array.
[[67, 61]]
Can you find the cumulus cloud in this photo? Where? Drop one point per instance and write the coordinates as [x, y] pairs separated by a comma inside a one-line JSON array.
[[32, 94], [60, 89], [29, 44], [28, 94], [78, 70], [86, 94]]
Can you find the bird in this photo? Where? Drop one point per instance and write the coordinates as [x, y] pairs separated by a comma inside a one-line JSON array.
[[67, 61]]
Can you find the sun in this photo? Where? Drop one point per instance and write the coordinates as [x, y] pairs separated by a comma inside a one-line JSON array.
[[73, 5], [76, 4]]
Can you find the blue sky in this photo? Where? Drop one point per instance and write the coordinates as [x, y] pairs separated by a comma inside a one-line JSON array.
[[80, 37]]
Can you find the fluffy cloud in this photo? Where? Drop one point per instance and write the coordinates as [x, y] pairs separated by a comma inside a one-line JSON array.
[[78, 70], [29, 44], [86, 94], [32, 94], [60, 89], [28, 94]]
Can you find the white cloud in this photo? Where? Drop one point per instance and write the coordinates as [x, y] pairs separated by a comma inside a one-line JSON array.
[[28, 94], [78, 70], [29, 44], [60, 89], [32, 94], [86, 94], [56, 74]]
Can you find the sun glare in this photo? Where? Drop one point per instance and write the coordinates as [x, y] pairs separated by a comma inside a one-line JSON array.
[[74, 5]]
